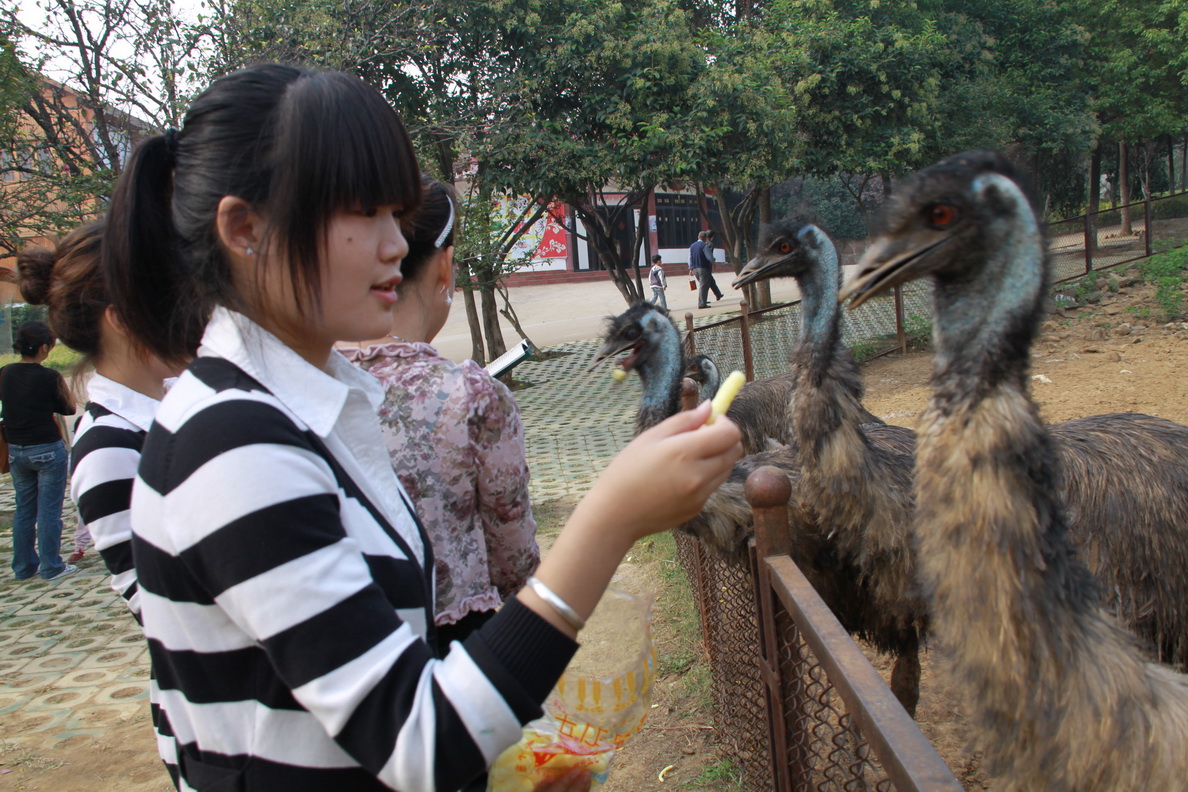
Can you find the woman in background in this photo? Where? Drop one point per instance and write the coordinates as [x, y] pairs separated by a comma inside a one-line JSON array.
[[31, 395], [454, 434], [122, 394]]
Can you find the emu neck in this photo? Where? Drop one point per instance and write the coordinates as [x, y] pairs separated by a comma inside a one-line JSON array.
[[828, 390], [989, 319], [661, 375]]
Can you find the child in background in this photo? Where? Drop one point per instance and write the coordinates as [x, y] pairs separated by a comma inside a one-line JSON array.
[[286, 583], [658, 282]]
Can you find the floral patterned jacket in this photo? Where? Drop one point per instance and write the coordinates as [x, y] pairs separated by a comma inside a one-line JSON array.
[[457, 444]]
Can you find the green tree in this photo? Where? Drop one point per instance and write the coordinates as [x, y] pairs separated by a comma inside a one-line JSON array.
[[120, 71], [598, 102]]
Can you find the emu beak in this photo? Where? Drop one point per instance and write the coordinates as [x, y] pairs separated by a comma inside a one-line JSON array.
[[889, 262], [609, 350], [757, 269]]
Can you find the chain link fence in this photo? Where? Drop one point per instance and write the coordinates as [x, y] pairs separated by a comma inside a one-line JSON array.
[[1077, 246]]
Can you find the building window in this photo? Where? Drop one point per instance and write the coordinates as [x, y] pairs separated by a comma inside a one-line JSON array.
[[677, 220]]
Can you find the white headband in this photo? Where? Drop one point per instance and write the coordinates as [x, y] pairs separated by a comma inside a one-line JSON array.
[[449, 226]]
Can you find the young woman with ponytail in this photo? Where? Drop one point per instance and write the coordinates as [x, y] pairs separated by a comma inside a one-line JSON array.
[[286, 583]]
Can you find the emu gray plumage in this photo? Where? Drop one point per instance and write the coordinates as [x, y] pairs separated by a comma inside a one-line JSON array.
[[704, 371], [845, 576], [653, 346], [1063, 698], [855, 479]]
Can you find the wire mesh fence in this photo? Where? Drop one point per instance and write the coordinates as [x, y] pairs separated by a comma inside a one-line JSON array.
[[1077, 246]]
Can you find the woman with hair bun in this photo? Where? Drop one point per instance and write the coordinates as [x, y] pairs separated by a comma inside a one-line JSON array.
[[286, 582], [122, 394]]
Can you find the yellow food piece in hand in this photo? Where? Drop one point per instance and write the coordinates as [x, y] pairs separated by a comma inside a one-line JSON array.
[[618, 375], [725, 395]]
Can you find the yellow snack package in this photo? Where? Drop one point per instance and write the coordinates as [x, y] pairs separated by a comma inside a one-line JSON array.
[[600, 701]]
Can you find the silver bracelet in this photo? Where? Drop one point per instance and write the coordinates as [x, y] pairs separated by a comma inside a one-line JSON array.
[[556, 603]]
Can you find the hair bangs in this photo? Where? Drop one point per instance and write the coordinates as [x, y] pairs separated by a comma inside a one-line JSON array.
[[349, 147], [339, 145]]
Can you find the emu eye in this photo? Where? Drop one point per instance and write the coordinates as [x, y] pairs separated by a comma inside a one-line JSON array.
[[785, 247], [942, 215], [632, 332]]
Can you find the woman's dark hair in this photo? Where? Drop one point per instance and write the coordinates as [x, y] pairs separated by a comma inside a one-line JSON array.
[[30, 337], [69, 280], [297, 145], [430, 228]]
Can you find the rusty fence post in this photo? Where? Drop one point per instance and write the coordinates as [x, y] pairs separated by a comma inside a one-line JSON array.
[[688, 394], [767, 491], [899, 319], [745, 329], [690, 335]]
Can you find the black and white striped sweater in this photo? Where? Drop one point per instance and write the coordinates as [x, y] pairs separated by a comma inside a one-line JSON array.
[[103, 463], [283, 596]]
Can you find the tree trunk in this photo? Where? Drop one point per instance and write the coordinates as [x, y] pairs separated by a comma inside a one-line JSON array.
[[477, 352], [1124, 187], [762, 292], [491, 329], [1171, 166], [1094, 202], [641, 230], [1184, 166]]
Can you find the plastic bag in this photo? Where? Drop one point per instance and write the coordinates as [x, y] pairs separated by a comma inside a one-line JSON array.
[[600, 701]]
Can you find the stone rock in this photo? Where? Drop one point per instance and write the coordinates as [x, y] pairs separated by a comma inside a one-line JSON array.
[[1122, 330], [1138, 328], [1113, 310]]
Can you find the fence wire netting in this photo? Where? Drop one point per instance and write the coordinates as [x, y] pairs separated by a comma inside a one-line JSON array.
[[730, 629], [826, 751]]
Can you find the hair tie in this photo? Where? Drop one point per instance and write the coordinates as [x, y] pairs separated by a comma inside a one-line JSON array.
[[171, 140], [449, 226]]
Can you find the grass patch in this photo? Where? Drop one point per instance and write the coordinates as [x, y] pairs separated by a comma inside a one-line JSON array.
[[61, 359], [723, 776]]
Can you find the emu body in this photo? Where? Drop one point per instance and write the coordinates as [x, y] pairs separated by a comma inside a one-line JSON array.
[[1063, 698]]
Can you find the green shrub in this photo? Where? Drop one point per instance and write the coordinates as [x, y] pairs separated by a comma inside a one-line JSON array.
[[918, 331]]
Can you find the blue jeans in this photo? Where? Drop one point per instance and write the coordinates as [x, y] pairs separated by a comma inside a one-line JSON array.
[[39, 478], [658, 298]]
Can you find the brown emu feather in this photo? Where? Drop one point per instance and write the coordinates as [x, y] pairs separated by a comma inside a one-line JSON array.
[[1063, 698]]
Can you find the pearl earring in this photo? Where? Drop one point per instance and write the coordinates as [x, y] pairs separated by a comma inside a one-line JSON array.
[[249, 252]]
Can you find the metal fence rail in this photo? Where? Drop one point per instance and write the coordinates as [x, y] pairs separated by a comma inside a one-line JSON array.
[[760, 342], [793, 694]]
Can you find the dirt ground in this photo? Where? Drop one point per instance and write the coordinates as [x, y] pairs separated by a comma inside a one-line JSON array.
[[1103, 357]]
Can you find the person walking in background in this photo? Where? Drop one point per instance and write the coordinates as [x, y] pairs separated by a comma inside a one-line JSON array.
[[31, 395], [658, 283], [701, 266]]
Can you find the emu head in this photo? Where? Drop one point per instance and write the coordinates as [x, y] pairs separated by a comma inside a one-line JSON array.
[[787, 249], [967, 222], [701, 370], [639, 332]]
